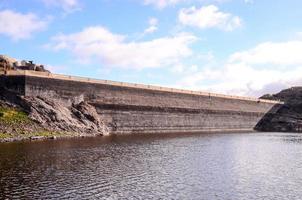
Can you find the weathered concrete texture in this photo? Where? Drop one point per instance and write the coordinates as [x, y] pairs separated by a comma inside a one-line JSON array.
[[119, 95], [130, 121], [128, 109], [15, 84]]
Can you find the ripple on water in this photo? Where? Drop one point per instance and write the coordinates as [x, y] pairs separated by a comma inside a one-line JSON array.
[[192, 166]]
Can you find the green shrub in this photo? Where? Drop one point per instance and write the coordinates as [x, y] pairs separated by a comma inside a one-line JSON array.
[[12, 116], [4, 136]]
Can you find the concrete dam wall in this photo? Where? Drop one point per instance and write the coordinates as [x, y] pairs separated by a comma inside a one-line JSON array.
[[131, 108]]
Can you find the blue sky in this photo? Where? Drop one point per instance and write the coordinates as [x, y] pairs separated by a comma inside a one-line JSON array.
[[240, 47]]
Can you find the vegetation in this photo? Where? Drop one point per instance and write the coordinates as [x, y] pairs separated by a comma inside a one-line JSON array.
[[13, 116], [15, 123], [4, 136], [27, 135]]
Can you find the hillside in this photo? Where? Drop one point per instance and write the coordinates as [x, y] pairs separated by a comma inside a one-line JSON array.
[[288, 117]]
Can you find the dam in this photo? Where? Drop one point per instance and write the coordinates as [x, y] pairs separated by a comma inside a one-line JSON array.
[[138, 108]]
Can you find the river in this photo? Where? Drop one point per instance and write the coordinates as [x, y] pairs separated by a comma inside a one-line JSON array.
[[176, 166]]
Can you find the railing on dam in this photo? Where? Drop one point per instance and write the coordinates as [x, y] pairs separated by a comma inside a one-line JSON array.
[[131, 85]]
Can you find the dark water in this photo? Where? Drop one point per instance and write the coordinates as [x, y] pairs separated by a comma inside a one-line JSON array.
[[195, 166]]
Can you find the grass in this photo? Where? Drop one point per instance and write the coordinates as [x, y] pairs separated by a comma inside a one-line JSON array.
[[27, 135], [44, 134], [13, 116], [4, 135], [47, 134]]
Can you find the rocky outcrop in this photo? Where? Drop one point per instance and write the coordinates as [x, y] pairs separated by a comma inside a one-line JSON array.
[[79, 118], [7, 63], [49, 114], [286, 117]]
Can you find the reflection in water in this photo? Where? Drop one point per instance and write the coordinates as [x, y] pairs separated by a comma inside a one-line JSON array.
[[194, 166]]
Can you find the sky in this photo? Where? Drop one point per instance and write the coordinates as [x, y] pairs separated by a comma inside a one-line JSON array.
[[238, 47]]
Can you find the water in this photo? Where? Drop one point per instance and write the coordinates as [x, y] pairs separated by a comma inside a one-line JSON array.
[[177, 166]]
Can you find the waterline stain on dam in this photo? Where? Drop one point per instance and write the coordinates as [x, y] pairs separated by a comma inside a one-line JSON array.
[[135, 108]]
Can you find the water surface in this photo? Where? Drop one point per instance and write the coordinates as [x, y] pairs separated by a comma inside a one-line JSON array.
[[177, 166]]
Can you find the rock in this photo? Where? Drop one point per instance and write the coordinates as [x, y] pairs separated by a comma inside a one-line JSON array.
[[37, 137], [52, 137], [8, 63], [287, 117], [292, 95], [40, 68], [8, 59], [5, 64], [80, 118]]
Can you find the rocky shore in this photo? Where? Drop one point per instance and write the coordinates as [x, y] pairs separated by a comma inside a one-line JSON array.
[[23, 118], [36, 118], [287, 117]]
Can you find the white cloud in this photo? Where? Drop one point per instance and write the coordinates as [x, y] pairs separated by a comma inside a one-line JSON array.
[[241, 80], [162, 3], [241, 74], [20, 26], [112, 49], [283, 53], [61, 69], [249, 1], [208, 17], [153, 22], [67, 5]]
